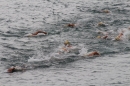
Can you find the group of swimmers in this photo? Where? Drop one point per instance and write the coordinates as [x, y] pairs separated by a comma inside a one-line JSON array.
[[65, 49], [68, 46]]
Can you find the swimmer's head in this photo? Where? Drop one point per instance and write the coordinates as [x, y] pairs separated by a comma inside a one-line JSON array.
[[106, 11], [101, 24], [66, 43], [98, 36]]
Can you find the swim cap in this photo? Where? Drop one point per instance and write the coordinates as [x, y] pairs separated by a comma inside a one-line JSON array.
[[66, 42], [117, 38], [101, 24], [98, 36]]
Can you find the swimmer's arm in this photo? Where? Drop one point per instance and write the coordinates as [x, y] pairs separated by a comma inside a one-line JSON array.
[[30, 35]]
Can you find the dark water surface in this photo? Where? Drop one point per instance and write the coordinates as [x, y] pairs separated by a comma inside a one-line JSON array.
[[45, 68]]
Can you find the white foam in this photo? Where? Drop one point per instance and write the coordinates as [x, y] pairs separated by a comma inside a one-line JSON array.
[[83, 51], [127, 35], [34, 60]]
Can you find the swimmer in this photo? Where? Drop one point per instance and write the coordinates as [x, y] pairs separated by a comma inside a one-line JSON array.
[[15, 69], [94, 53], [71, 25], [67, 44], [119, 36], [103, 37], [36, 33], [106, 11], [103, 33], [66, 48], [101, 24]]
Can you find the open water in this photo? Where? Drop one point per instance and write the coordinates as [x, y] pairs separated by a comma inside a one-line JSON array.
[[39, 54]]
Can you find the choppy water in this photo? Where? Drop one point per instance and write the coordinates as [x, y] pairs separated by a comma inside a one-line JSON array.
[[20, 17]]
